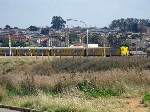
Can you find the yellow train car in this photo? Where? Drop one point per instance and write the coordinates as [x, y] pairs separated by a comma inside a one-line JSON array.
[[5, 51], [33, 51], [58, 51], [2, 51], [98, 51], [101, 51]]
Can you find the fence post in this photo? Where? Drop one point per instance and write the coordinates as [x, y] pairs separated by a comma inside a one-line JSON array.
[[48, 54]]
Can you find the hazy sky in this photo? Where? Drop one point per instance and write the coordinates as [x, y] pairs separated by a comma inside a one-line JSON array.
[[99, 13]]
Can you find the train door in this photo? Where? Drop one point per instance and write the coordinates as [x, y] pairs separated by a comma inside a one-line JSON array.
[[18, 51], [39, 52], [25, 52], [13, 52], [46, 52], [34, 52]]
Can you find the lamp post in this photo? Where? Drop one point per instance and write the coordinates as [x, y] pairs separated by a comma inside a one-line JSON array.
[[9, 45], [68, 35], [105, 45], [87, 39], [136, 51]]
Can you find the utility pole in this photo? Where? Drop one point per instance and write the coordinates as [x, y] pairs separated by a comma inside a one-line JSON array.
[[87, 40], [9, 45], [105, 45], [68, 36]]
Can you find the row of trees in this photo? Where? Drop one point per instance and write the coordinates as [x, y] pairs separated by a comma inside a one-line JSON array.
[[111, 40], [129, 24], [14, 43]]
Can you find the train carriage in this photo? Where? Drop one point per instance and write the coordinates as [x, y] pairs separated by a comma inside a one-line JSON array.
[[101, 51], [98, 51], [5, 51], [67, 51], [43, 51]]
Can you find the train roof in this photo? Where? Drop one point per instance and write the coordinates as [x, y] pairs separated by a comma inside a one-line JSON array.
[[54, 47]]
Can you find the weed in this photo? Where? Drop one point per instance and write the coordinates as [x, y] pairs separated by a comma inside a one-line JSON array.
[[91, 90], [27, 104]]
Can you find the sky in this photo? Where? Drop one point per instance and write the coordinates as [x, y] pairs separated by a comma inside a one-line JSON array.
[[99, 13]]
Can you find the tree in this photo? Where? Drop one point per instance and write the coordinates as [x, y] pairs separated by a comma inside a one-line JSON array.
[[58, 23], [94, 39], [126, 43], [135, 28], [73, 37], [45, 31], [7, 27], [13, 43], [112, 40], [33, 28], [16, 28], [129, 24]]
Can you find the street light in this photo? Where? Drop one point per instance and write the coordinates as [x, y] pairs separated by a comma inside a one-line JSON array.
[[68, 35], [87, 39], [136, 51], [9, 45]]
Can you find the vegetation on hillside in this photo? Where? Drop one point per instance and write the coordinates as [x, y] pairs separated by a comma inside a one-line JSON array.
[[129, 24]]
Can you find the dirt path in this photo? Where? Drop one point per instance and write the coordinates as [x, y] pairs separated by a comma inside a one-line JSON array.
[[134, 105]]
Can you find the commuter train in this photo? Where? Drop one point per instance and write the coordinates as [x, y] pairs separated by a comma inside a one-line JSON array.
[[64, 51]]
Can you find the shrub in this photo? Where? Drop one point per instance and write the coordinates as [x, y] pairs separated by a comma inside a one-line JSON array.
[[91, 90], [3, 94]]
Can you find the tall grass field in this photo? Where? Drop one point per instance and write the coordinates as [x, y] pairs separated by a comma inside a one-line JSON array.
[[63, 85]]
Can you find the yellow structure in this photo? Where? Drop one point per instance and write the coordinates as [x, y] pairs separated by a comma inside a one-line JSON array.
[[124, 51], [65, 51]]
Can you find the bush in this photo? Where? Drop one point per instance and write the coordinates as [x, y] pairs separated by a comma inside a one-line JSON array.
[[91, 90], [3, 94]]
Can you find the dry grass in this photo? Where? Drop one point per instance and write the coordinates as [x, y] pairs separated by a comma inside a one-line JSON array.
[[43, 78]]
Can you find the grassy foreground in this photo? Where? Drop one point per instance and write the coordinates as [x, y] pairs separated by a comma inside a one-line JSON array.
[[62, 85]]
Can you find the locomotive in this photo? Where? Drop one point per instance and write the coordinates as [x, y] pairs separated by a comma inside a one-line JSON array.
[[64, 51]]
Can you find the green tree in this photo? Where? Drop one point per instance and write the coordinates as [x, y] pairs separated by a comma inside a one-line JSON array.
[[112, 40], [73, 37], [135, 28], [45, 31], [94, 39], [16, 28], [6, 43], [20, 43], [126, 43], [33, 28], [58, 23], [7, 27], [13, 43], [129, 24]]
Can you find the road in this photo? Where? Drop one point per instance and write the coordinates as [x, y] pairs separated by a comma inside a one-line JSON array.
[[6, 110]]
